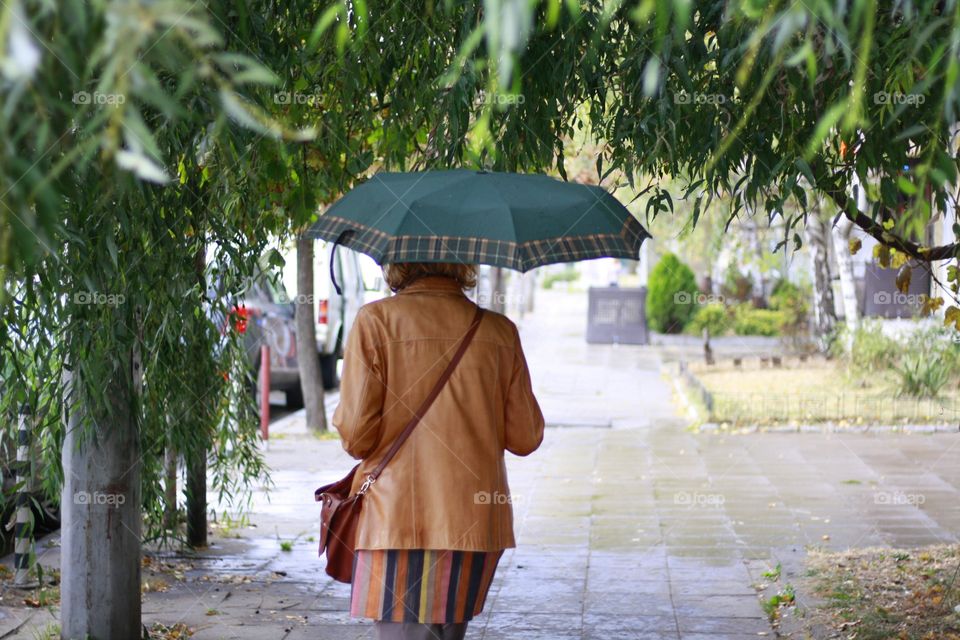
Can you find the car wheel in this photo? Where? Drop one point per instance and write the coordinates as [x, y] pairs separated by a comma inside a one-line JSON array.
[[328, 371]]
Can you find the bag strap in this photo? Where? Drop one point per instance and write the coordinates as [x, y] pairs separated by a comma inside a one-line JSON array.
[[418, 414]]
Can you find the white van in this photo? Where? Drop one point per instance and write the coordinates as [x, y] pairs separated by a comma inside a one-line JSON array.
[[360, 280]]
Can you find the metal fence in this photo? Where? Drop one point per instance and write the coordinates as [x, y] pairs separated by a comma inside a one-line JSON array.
[[852, 408]]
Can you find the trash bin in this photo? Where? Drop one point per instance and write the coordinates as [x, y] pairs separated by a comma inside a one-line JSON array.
[[617, 315]]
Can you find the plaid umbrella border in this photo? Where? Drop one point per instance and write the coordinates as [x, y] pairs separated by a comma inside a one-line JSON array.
[[523, 256]]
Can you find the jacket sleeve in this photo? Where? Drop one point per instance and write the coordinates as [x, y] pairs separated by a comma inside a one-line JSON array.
[[523, 423], [362, 390]]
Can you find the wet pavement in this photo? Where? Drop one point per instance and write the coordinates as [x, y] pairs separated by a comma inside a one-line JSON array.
[[629, 525]]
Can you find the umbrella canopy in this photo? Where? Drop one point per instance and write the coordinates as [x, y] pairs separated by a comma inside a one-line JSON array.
[[519, 221]]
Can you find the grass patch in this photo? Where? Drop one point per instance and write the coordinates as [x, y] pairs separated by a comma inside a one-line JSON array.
[[178, 631], [773, 574], [50, 632], [786, 597], [877, 594], [817, 392], [43, 597], [226, 526]]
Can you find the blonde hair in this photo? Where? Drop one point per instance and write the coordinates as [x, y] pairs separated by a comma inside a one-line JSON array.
[[400, 274]]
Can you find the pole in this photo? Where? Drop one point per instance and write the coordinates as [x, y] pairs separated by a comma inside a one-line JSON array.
[[265, 392], [23, 529]]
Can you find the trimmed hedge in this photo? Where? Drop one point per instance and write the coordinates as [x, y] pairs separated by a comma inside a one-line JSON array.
[[749, 321], [671, 295], [714, 317]]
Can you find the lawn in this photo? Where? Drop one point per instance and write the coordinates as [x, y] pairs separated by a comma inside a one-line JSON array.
[[877, 594], [817, 391]]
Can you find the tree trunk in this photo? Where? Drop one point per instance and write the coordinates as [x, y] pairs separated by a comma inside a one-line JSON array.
[[196, 460], [759, 293], [497, 290], [529, 288], [848, 286], [100, 534], [196, 491], [170, 488], [824, 317], [311, 380]]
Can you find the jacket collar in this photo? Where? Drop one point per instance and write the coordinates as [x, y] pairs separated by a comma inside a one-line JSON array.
[[433, 284]]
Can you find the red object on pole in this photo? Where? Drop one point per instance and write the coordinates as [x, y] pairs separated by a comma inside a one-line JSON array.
[[265, 391]]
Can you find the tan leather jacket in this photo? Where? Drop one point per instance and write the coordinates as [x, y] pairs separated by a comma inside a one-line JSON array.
[[447, 486]]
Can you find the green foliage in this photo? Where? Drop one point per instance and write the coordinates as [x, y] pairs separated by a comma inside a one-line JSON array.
[[736, 286], [124, 138], [923, 363], [927, 362], [788, 296], [671, 295], [922, 376], [793, 301], [752, 102], [785, 597], [147, 161], [869, 348], [714, 317], [567, 275], [773, 574], [137, 134], [750, 321]]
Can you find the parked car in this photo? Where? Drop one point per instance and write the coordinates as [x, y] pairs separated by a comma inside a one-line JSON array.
[[268, 311], [265, 315]]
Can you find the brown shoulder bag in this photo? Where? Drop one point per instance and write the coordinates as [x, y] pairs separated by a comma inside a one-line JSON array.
[[340, 511]]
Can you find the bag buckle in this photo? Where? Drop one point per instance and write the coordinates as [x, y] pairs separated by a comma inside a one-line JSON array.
[[366, 485]]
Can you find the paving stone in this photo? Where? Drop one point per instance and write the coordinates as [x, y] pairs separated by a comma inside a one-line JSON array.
[[710, 588], [717, 625], [522, 623], [628, 604], [702, 605], [726, 636], [599, 623]]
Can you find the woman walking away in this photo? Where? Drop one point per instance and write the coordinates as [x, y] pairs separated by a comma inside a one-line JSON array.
[[436, 521]]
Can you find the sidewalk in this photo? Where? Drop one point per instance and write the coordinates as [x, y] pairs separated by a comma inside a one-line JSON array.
[[628, 525]]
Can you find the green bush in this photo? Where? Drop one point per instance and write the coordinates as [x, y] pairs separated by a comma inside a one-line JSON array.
[[926, 362], [567, 275], [921, 376], [671, 295], [736, 286], [714, 317], [870, 349], [750, 321], [923, 363], [792, 300]]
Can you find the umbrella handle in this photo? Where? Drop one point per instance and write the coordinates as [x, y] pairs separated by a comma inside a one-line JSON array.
[[333, 258]]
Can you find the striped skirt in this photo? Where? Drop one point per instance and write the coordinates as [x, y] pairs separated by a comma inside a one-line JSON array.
[[427, 586]]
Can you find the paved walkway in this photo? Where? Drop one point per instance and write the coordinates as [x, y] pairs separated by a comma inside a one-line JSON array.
[[629, 526]]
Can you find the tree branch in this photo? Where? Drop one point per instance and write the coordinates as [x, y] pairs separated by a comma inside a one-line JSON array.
[[884, 237]]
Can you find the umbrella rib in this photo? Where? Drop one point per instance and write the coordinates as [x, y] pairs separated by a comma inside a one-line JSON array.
[[433, 233]]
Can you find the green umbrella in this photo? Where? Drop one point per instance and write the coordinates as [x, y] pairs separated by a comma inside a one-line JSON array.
[[519, 221]]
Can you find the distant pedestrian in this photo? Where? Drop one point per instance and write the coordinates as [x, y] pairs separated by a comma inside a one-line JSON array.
[[435, 523]]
